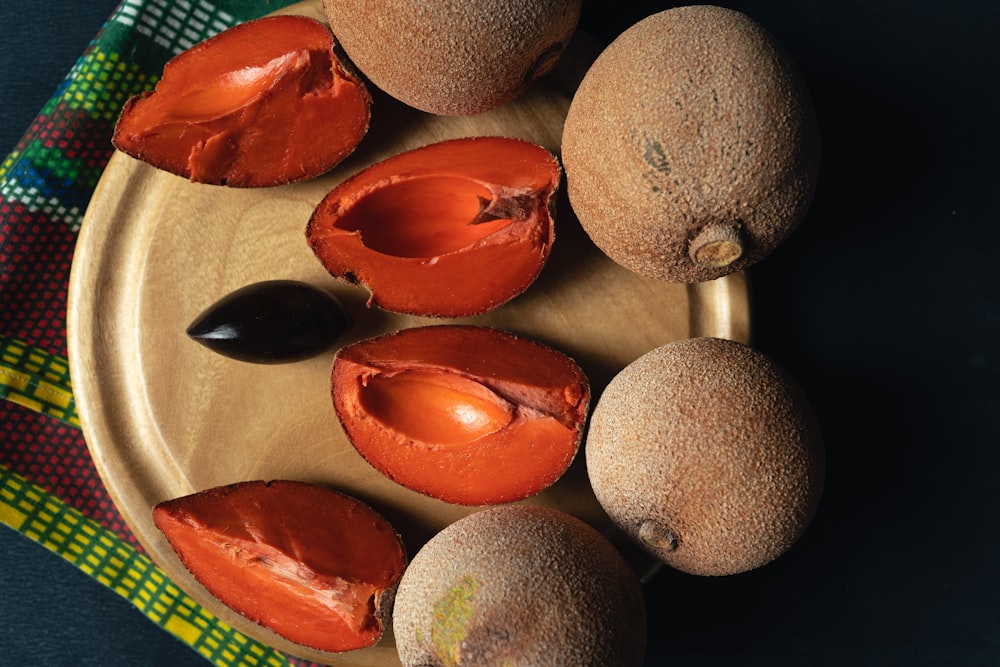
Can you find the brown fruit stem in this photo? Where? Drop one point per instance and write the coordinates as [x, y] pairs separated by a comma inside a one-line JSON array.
[[658, 536], [716, 245], [545, 62]]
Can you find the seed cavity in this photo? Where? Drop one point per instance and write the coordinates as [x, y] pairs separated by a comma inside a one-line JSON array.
[[446, 409], [511, 207], [427, 216]]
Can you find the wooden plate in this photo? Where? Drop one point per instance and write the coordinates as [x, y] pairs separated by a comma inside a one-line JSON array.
[[164, 416]]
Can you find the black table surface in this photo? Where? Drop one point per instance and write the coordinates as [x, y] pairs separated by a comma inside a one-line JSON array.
[[884, 304]]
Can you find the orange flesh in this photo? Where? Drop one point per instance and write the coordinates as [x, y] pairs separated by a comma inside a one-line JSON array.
[[451, 229], [421, 217], [260, 104], [445, 411], [308, 563], [439, 408], [352, 601], [199, 101]]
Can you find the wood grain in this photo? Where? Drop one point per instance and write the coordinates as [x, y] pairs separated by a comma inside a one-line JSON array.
[[163, 416]]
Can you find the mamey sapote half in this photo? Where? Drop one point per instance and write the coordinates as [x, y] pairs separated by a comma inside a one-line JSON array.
[[467, 414], [450, 229], [691, 146], [707, 454], [315, 566], [519, 585], [264, 103], [453, 57]]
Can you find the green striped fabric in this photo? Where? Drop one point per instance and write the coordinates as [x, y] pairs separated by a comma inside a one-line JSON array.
[[32, 377], [45, 185], [32, 511]]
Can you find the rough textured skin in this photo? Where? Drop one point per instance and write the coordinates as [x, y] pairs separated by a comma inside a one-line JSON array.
[[691, 117], [712, 447], [453, 57], [519, 585]]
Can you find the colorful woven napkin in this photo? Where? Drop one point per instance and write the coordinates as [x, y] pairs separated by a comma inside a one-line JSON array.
[[49, 488]]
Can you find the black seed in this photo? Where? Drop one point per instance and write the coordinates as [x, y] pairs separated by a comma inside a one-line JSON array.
[[271, 322]]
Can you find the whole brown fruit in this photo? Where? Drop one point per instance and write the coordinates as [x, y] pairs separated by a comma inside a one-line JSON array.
[[707, 454], [691, 147], [519, 585], [453, 57]]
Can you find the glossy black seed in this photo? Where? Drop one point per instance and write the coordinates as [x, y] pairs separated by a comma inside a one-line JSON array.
[[271, 322]]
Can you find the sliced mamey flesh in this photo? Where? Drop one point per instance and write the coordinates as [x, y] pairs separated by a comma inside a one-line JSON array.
[[467, 414], [315, 566], [264, 103], [451, 229]]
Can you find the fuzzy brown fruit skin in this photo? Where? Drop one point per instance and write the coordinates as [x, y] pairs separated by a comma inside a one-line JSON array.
[[519, 585], [691, 147], [317, 567], [470, 415], [708, 455], [453, 57]]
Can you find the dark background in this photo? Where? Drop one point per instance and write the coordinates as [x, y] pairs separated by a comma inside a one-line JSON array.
[[884, 305]]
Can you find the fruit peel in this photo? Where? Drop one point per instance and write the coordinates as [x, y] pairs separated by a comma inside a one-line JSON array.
[[517, 585]]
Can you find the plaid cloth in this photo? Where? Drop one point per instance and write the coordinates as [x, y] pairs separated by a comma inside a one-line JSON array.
[[49, 488]]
